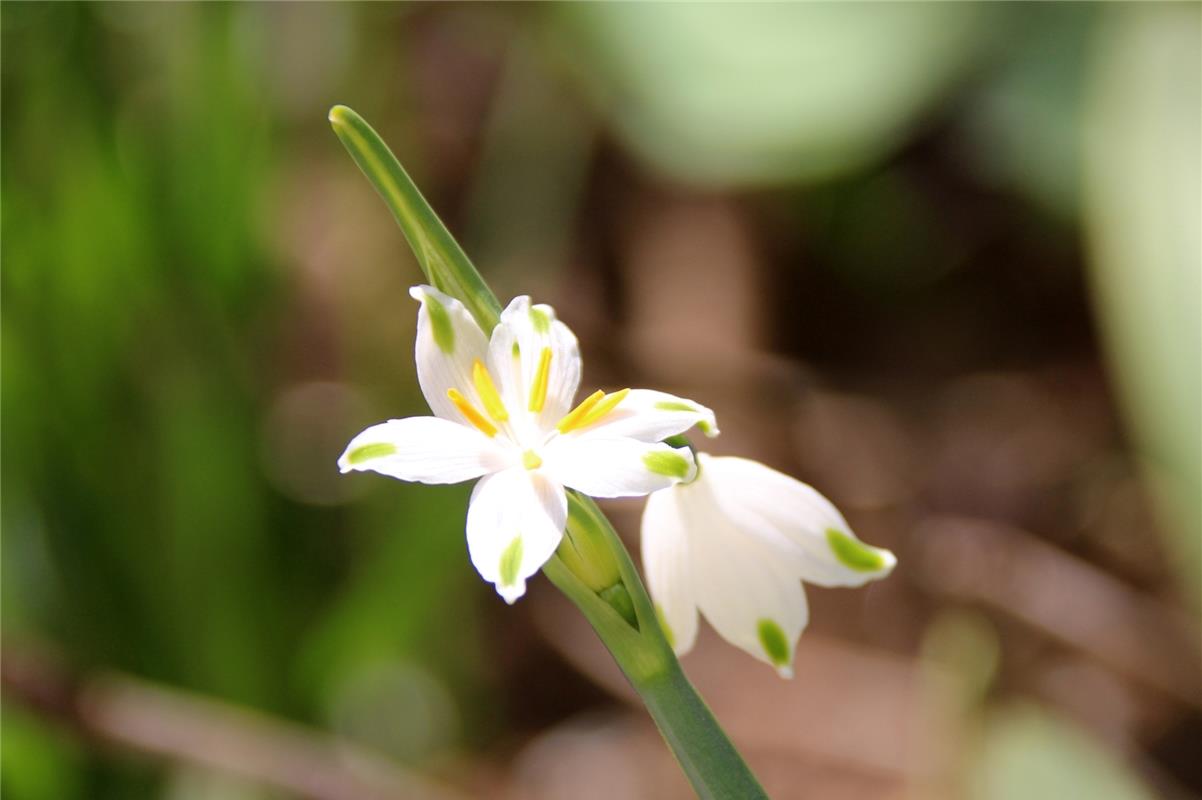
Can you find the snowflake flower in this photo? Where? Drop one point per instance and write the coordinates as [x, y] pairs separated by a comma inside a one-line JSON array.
[[503, 413], [736, 543]]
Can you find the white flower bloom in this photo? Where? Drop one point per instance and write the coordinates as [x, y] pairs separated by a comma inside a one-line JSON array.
[[735, 544], [503, 412]]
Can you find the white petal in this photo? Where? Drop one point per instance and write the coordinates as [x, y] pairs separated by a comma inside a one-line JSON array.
[[533, 328], [751, 595], [616, 467], [784, 511], [448, 342], [669, 574], [514, 523], [651, 416], [423, 449]]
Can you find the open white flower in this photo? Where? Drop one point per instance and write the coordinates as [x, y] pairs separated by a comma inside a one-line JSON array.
[[736, 543], [503, 410]]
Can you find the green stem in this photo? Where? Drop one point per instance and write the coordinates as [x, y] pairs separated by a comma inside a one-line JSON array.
[[621, 612], [708, 758]]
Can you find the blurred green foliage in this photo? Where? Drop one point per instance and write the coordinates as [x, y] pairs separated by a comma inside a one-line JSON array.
[[1144, 220], [729, 94], [140, 301]]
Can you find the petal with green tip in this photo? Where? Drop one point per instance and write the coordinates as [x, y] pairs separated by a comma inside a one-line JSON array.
[[447, 345], [615, 467], [665, 551], [515, 521], [423, 449], [795, 520]]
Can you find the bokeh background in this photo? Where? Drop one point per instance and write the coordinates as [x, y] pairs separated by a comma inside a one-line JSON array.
[[940, 261]]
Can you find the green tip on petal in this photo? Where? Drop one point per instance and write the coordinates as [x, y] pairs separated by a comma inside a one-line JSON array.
[[541, 320], [674, 405], [367, 452], [440, 323], [669, 463], [854, 554], [511, 561], [776, 646]]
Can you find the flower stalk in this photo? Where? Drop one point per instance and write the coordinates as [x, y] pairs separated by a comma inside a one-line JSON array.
[[591, 565]]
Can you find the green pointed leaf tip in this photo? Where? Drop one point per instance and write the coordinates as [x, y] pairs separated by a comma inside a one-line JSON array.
[[774, 642], [440, 323], [511, 561], [668, 463], [854, 554], [441, 258], [367, 452]]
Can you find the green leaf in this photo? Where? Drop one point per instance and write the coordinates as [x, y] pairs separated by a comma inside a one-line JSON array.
[[1142, 206], [442, 259]]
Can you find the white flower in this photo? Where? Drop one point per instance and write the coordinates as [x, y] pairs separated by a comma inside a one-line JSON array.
[[736, 544], [503, 410]]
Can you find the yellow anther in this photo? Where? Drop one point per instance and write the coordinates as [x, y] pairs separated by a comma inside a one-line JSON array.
[[572, 418], [604, 407], [488, 392], [538, 389], [470, 413], [530, 460]]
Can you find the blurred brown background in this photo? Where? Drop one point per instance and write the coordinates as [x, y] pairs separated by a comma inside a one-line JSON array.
[[940, 261]]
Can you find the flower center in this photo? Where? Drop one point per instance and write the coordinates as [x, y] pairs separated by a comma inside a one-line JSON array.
[[530, 460], [590, 411]]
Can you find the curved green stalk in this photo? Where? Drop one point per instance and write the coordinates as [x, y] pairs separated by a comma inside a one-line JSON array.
[[441, 258], [592, 567]]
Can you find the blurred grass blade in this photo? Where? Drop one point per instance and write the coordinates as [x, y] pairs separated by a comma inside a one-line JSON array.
[[440, 256]]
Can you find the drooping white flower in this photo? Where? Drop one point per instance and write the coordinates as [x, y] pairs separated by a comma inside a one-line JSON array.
[[735, 544], [503, 413]]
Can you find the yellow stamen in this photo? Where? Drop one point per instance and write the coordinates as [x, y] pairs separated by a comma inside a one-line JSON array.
[[470, 413], [488, 392], [538, 390], [530, 460], [573, 417], [604, 407]]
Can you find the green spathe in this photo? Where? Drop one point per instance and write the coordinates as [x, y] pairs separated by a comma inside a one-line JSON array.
[[367, 452], [854, 554], [440, 256], [511, 561], [669, 463]]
